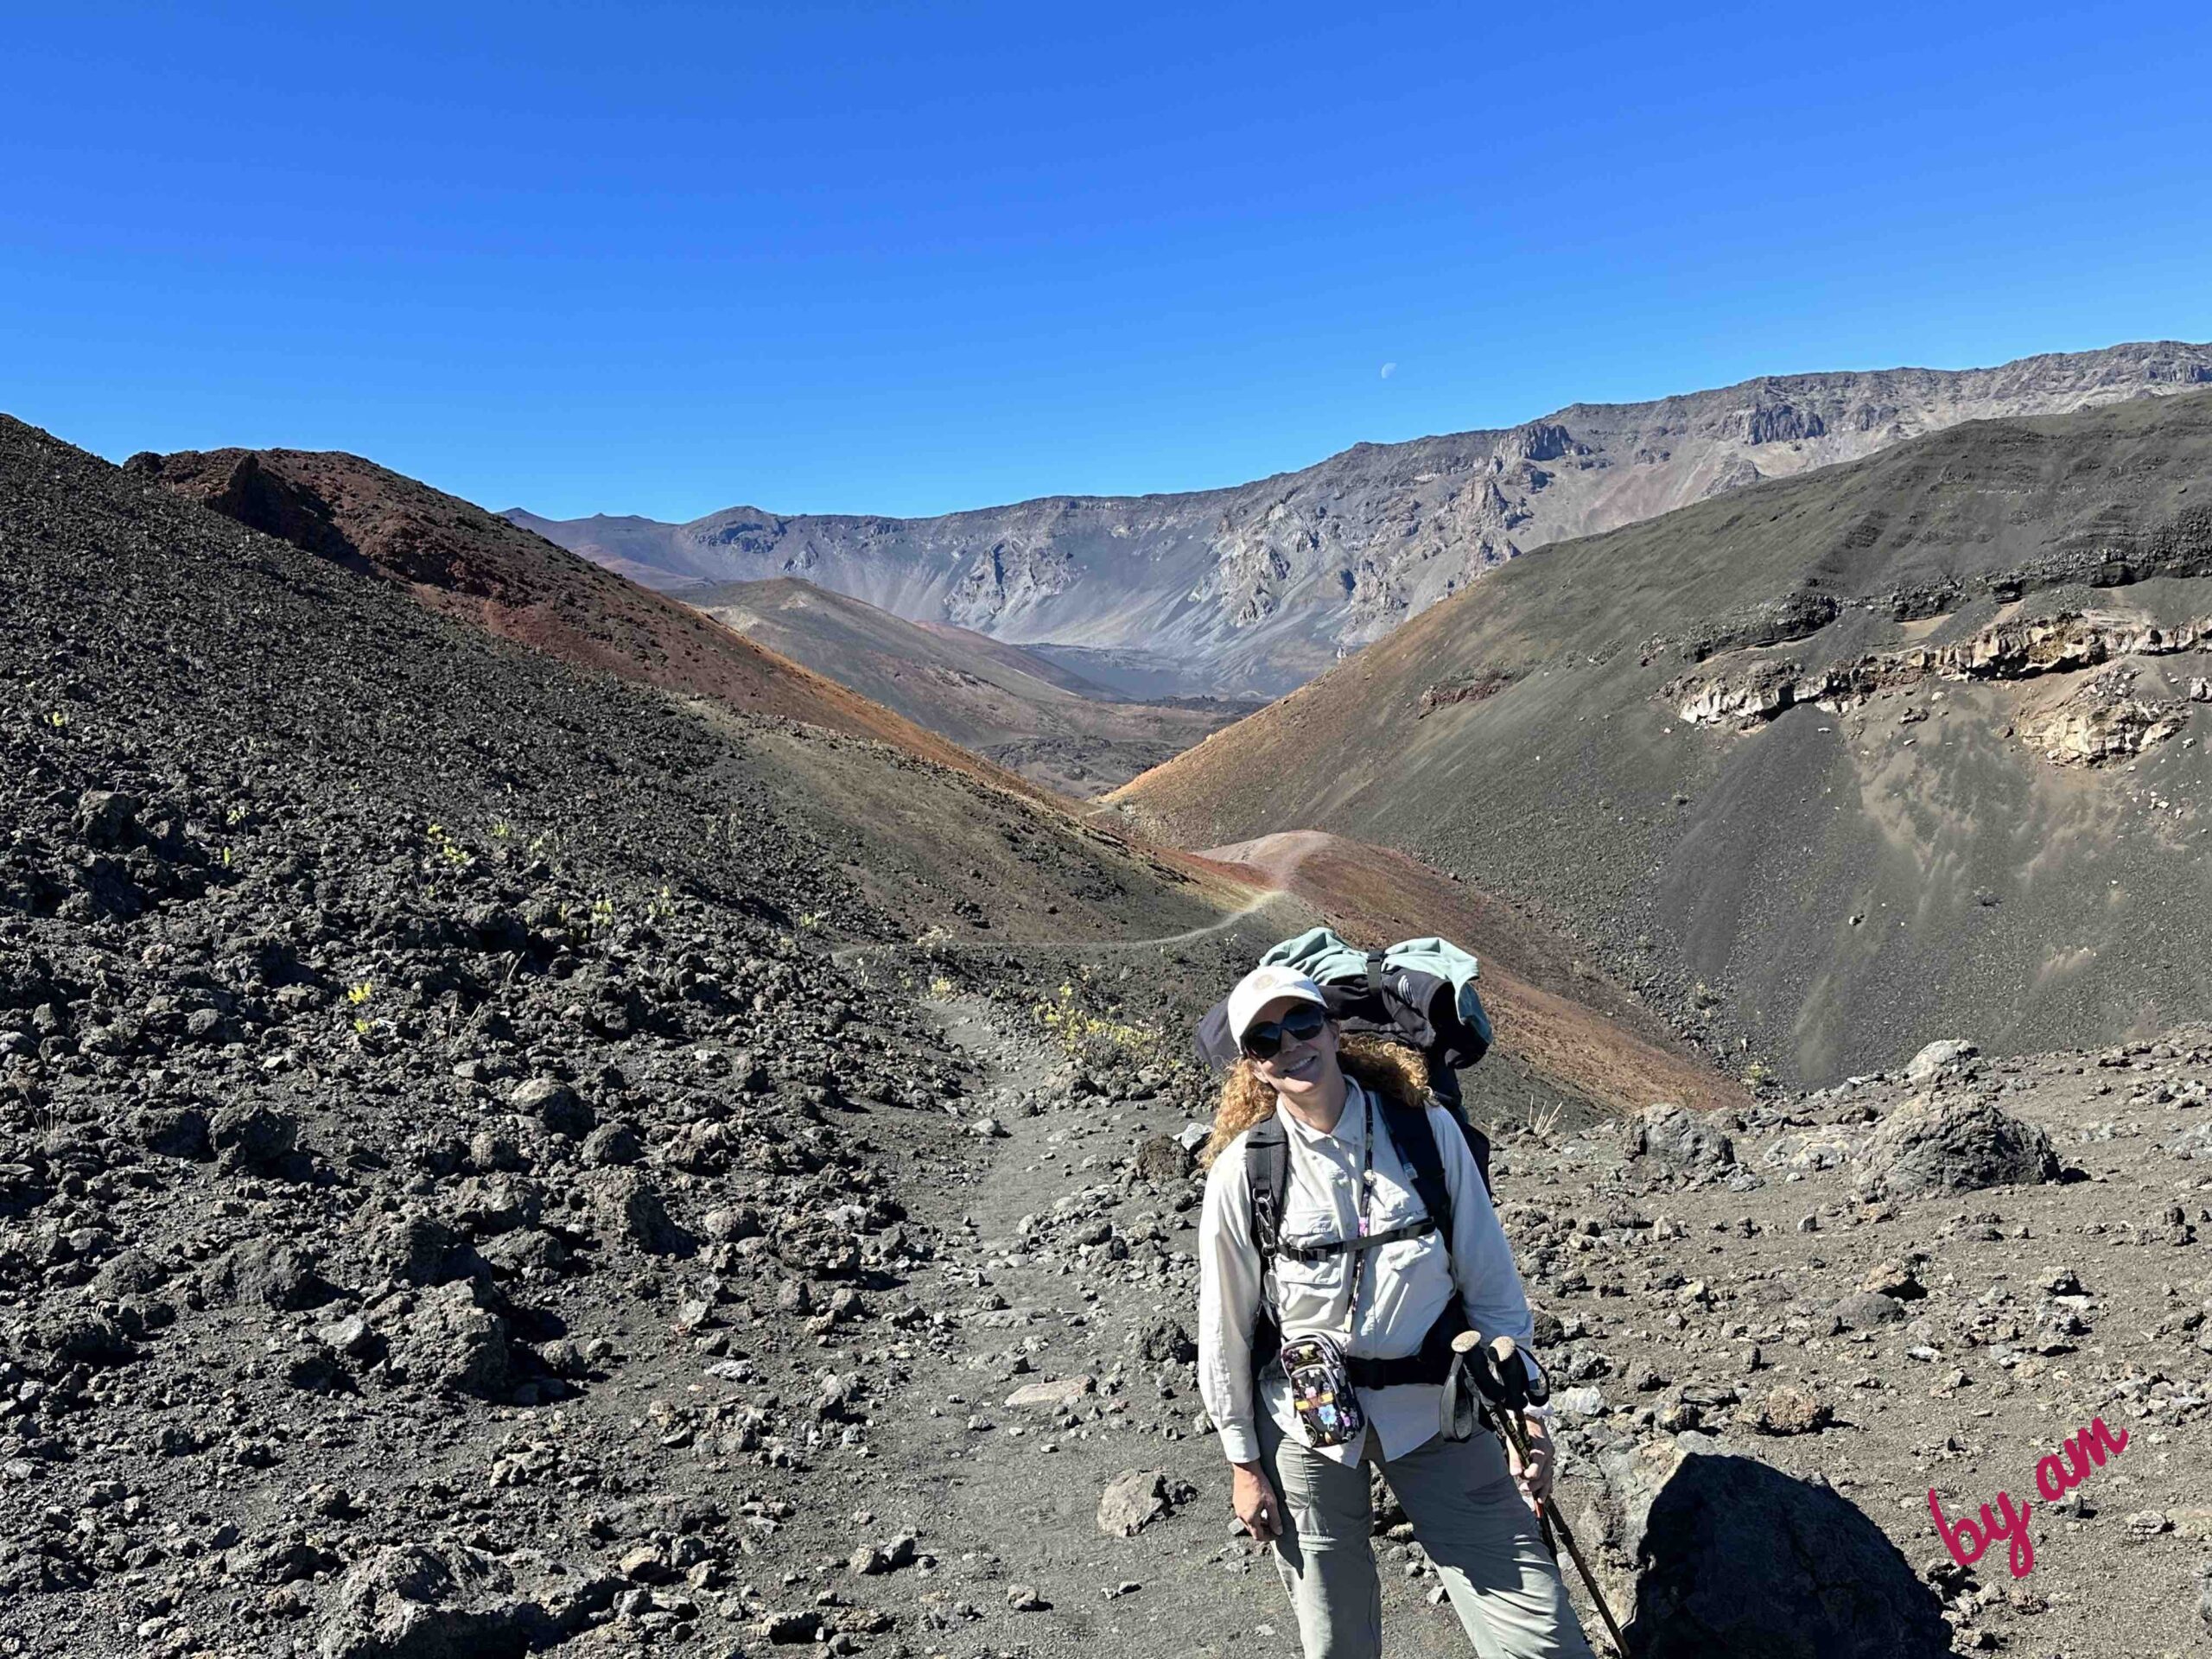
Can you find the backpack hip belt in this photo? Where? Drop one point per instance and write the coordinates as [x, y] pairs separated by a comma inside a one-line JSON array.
[[1430, 1363]]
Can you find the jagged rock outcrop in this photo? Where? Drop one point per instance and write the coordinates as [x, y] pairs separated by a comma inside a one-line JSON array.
[[2100, 721]]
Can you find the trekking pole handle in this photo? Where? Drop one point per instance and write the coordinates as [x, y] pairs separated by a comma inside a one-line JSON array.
[[1526, 1386], [1512, 1375]]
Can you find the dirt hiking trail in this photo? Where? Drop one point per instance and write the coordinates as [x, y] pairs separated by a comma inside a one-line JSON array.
[[1008, 1496]]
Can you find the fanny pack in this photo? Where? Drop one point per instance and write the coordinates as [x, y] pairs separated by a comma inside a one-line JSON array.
[[1321, 1391]]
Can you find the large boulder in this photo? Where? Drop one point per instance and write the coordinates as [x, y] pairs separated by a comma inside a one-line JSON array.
[[75, 1336], [1135, 1498], [1933, 1061], [490, 1204], [253, 1137], [627, 1209], [411, 1248], [126, 1274], [821, 1243], [2192, 1143], [455, 1338], [1163, 1161], [611, 1144], [1931, 1144], [1669, 1141], [1792, 1409], [108, 817], [411, 1601], [555, 1105], [267, 1273], [172, 1131], [1864, 1309], [530, 1249], [1166, 1342], [1706, 1554], [24, 1186]]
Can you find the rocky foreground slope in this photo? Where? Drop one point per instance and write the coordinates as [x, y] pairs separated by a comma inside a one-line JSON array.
[[1774, 1332], [1827, 767], [418, 1059], [1257, 588]]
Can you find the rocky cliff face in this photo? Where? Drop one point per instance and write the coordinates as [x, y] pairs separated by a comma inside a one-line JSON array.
[[1255, 590]]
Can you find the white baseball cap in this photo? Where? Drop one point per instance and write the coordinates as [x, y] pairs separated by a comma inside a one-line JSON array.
[[1265, 985]]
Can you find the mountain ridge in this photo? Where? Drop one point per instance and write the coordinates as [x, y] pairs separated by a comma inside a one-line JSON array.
[[1253, 589]]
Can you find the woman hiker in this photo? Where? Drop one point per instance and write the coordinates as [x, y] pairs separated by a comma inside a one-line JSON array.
[[1363, 1331]]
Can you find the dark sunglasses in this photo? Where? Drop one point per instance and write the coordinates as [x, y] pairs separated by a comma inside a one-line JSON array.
[[1265, 1040]]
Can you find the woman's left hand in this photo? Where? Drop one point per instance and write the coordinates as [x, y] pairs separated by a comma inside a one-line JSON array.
[[1543, 1468]]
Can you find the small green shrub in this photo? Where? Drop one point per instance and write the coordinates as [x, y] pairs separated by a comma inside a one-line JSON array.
[[1096, 1040]]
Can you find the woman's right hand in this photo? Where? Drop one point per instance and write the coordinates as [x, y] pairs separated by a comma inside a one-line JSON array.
[[1257, 1505]]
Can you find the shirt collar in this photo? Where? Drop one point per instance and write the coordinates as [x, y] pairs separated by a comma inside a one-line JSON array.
[[1351, 1123]]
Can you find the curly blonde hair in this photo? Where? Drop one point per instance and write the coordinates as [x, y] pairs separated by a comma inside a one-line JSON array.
[[1387, 1068]]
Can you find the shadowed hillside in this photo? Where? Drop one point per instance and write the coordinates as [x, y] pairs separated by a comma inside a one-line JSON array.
[[1908, 749]]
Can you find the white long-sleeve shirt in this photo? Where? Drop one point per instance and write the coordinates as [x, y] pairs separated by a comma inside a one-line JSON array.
[[1404, 1287]]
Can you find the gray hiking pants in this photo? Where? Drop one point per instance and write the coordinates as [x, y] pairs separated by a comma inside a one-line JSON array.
[[1469, 1516]]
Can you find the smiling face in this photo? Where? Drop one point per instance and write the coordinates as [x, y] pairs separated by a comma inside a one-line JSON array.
[[1304, 1071]]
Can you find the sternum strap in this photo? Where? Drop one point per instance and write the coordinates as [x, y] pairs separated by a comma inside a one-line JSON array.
[[1337, 1246]]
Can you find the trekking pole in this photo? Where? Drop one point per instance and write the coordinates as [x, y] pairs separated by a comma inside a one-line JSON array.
[[1499, 1366]]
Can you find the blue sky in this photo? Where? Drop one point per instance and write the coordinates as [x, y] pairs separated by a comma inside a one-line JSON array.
[[662, 259]]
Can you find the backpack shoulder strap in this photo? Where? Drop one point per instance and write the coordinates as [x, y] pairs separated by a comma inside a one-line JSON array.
[[1444, 1092], [1267, 1167], [1408, 1127]]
